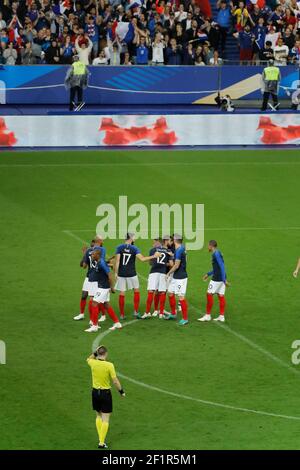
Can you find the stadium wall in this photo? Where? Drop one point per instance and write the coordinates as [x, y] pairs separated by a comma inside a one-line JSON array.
[[44, 84], [142, 130]]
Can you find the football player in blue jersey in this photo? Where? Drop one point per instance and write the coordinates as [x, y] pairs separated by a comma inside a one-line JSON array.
[[178, 283], [217, 284], [157, 280], [127, 279], [105, 285], [85, 287]]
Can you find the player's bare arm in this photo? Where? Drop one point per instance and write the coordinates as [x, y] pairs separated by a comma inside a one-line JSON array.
[[111, 282], [205, 277], [174, 268], [148, 258], [295, 273], [117, 263]]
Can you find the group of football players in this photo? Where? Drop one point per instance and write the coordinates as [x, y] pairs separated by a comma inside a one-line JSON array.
[[168, 277]]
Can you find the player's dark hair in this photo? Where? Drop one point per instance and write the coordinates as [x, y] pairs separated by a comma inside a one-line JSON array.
[[213, 243]]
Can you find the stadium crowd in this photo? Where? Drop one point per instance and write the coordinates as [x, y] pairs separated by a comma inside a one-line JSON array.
[[116, 32]]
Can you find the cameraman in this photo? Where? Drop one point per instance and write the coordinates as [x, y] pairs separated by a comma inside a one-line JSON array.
[[103, 374]]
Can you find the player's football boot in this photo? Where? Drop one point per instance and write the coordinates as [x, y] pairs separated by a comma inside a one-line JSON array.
[[102, 446], [102, 318], [79, 317], [92, 329], [160, 316], [116, 326], [220, 318], [155, 313], [146, 315], [169, 316], [183, 322], [206, 317], [137, 315]]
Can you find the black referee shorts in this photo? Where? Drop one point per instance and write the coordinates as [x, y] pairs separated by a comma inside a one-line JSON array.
[[102, 400]]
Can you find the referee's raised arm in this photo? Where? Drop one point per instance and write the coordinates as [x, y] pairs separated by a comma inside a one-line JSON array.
[[103, 375]]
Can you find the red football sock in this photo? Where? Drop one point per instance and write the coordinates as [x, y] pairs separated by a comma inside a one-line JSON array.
[[112, 314], [136, 301], [209, 304], [172, 301], [82, 305], [95, 313], [122, 305], [102, 309], [149, 302], [222, 303], [162, 301], [90, 308], [156, 300], [184, 309]]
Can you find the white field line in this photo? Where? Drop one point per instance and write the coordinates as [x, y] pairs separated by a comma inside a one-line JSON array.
[[215, 229], [226, 328], [98, 341], [253, 345], [146, 164]]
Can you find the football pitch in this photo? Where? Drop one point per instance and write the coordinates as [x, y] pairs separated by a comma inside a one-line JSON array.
[[202, 386]]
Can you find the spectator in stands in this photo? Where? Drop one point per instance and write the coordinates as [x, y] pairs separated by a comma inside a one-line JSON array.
[[259, 32], [84, 46], [127, 59], [142, 51], [174, 53], [158, 47], [246, 39], [53, 53], [224, 20], [295, 53], [216, 60], [281, 53], [114, 52], [27, 55], [241, 15], [67, 51], [10, 54], [267, 53], [208, 53], [101, 59], [189, 55], [2, 22]]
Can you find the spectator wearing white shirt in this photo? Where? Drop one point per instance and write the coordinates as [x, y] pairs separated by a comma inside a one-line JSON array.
[[158, 46], [281, 52], [181, 15], [101, 59], [10, 54], [215, 60], [84, 51]]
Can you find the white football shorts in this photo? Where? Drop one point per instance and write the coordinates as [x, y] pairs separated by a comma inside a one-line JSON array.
[[178, 286], [93, 287], [86, 284], [127, 283], [102, 296], [157, 281], [216, 287]]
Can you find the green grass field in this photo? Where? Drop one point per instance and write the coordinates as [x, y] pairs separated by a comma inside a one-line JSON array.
[[48, 207]]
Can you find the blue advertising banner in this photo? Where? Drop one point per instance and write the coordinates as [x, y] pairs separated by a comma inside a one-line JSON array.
[[44, 84]]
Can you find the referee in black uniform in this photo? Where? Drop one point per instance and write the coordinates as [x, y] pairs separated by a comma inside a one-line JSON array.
[[103, 374]]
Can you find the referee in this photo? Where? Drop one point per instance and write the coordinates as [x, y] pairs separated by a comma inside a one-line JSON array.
[[103, 373]]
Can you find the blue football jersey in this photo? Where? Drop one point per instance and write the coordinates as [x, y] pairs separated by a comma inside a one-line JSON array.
[[180, 254], [127, 254]]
